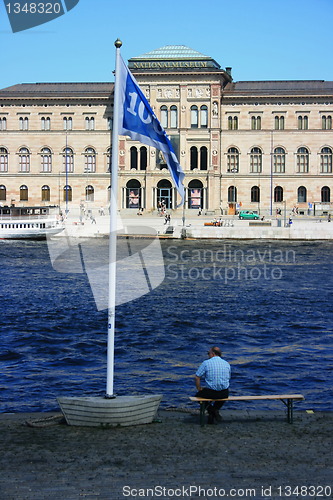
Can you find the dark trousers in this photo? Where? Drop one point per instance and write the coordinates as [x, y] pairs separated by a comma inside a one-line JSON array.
[[211, 394]]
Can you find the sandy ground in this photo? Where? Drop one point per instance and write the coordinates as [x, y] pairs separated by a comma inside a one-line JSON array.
[[248, 455]]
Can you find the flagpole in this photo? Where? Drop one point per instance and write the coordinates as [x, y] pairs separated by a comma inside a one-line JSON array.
[[113, 230]]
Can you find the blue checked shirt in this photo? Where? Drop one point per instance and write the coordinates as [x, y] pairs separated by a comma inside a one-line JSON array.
[[216, 372]]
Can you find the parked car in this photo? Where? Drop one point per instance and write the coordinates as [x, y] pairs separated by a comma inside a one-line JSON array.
[[248, 214]]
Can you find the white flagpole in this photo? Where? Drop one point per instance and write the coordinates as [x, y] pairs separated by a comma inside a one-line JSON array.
[[113, 229]]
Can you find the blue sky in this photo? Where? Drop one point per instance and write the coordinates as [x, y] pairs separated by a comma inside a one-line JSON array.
[[259, 39]]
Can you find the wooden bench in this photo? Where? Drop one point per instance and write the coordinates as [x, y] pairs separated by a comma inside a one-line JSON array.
[[287, 399]]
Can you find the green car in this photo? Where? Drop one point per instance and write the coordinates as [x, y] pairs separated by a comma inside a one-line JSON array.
[[247, 214]]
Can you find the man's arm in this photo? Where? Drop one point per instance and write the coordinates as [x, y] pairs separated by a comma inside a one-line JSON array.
[[198, 383]]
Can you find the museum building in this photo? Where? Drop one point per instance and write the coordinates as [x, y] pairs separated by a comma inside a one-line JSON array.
[[259, 145]]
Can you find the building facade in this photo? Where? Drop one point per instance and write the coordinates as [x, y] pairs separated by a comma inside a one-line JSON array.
[[260, 145]]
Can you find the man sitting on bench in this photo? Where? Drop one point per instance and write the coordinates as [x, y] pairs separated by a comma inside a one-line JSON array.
[[216, 373]]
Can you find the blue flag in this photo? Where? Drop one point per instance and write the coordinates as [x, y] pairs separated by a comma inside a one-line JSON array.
[[138, 121]]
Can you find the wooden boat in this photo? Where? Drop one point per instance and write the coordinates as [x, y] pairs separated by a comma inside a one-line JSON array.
[[103, 412], [23, 223]]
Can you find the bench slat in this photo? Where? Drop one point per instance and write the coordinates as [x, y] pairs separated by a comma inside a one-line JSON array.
[[249, 398]]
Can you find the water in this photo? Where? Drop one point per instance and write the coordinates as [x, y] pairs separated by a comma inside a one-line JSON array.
[[268, 304]]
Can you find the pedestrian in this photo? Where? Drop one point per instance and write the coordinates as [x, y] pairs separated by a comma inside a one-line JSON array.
[[216, 374]]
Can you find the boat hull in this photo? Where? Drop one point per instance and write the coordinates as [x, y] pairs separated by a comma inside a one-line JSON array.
[[103, 412], [29, 234]]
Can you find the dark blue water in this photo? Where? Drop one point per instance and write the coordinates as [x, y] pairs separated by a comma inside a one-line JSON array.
[[267, 304]]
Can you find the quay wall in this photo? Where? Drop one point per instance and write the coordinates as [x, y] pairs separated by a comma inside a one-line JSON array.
[[296, 231], [301, 228]]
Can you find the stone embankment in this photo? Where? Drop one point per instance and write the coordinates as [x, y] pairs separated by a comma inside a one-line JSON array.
[[301, 228]]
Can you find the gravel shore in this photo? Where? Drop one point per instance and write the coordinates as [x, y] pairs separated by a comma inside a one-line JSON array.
[[249, 454]]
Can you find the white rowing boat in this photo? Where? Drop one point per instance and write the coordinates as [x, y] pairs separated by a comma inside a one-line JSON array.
[[104, 412]]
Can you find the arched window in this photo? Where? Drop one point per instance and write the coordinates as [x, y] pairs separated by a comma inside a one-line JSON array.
[[164, 117], [278, 194], [134, 157], [194, 116], [193, 158], [24, 123], [326, 122], [90, 160], [232, 194], [46, 193], [203, 117], [195, 194], [24, 193], [68, 160], [46, 160], [143, 158], [90, 123], [303, 122], [301, 194], [173, 117], [325, 194], [256, 122], [3, 160], [108, 159], [233, 160], [279, 123], [203, 158], [164, 193], [255, 160], [68, 193], [279, 161], [302, 159], [68, 123], [24, 160], [138, 160], [3, 193], [90, 193], [3, 123], [45, 123], [133, 194], [326, 160], [255, 194], [232, 122]]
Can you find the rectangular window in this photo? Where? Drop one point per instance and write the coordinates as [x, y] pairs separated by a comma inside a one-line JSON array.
[[194, 117], [302, 164]]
